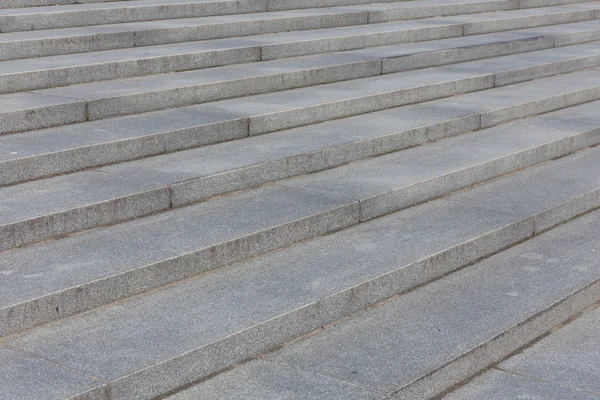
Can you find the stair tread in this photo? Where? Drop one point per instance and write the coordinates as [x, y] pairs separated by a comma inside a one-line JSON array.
[[314, 270]]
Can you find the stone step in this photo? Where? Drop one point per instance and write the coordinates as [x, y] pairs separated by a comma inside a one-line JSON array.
[[33, 44], [38, 18], [420, 344], [43, 153], [56, 71], [54, 207], [114, 262], [152, 344], [101, 100], [41, 3]]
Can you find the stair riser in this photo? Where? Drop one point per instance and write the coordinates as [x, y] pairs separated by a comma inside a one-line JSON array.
[[409, 196], [215, 357], [81, 110], [49, 164], [183, 96], [44, 79], [55, 20], [46, 165], [457, 55]]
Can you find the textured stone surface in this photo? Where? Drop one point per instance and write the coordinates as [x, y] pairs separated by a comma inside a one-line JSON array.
[[569, 356], [500, 385], [328, 295], [132, 257], [20, 375], [261, 380], [398, 344], [64, 149], [383, 153], [111, 13]]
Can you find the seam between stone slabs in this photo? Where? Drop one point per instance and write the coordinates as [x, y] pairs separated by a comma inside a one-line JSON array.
[[541, 380]]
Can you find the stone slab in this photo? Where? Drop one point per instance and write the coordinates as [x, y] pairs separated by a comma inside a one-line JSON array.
[[399, 180]]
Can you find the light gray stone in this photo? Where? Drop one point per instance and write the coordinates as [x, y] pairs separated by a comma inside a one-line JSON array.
[[66, 149], [70, 148], [431, 8], [400, 180], [41, 210], [569, 34], [500, 385], [42, 43], [40, 18], [527, 18], [135, 256], [537, 96], [40, 3], [567, 357], [466, 49], [136, 95], [24, 111], [420, 344], [443, 235], [47, 72], [20, 375], [523, 67], [261, 380]]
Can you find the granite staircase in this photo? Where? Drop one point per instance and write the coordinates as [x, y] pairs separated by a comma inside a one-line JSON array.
[[303, 199]]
